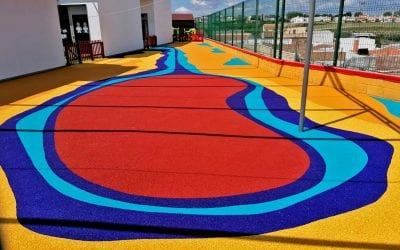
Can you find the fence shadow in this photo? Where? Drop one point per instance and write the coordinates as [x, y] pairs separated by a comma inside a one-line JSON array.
[[197, 233], [338, 85]]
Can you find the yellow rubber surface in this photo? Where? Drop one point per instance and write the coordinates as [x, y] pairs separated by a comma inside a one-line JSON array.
[[376, 226]]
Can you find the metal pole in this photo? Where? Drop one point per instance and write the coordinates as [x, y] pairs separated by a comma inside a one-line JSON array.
[[219, 26], [204, 31], [338, 33], [276, 27], [309, 48], [212, 26], [215, 26], [225, 27], [256, 32], [209, 26], [241, 40], [233, 22], [282, 27]]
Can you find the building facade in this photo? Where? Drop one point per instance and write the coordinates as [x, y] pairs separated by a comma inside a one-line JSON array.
[[33, 31]]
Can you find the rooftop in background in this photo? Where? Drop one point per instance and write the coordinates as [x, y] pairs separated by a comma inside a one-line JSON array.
[[182, 17]]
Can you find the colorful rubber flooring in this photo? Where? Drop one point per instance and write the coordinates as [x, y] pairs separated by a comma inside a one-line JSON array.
[[198, 153]]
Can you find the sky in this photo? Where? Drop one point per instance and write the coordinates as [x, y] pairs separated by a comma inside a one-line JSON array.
[[201, 7], [205, 7]]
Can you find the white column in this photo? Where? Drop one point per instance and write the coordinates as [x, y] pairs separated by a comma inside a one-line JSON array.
[[94, 20], [121, 27], [30, 37], [163, 21], [148, 8]]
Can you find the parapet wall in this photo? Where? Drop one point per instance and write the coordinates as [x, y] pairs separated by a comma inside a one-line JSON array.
[[373, 84]]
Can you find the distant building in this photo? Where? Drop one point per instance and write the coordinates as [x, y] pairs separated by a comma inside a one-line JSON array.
[[323, 37], [102, 20], [119, 24], [362, 19], [295, 32], [185, 21], [364, 34], [299, 20], [322, 19], [354, 44]]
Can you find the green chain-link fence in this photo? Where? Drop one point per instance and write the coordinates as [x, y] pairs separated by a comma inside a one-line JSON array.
[[356, 34]]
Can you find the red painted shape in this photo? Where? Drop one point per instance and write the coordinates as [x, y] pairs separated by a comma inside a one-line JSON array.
[[174, 137]]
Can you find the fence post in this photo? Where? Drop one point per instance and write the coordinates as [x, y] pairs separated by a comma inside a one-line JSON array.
[[225, 26], [214, 22], [276, 27], [66, 54], [212, 26], [78, 51], [209, 26], [338, 33], [102, 49], [241, 41], [91, 50], [219, 26], [232, 23], [256, 27], [204, 26], [282, 27]]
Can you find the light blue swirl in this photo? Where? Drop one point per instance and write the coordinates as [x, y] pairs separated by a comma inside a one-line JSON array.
[[344, 159]]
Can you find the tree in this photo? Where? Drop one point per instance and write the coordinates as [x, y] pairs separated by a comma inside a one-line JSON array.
[[357, 14], [293, 14], [349, 14], [388, 13], [397, 13]]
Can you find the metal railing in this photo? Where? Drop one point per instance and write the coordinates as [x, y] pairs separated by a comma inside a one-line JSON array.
[[360, 34], [83, 50]]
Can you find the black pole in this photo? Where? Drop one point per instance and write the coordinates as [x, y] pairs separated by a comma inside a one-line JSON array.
[[225, 27], [338, 33], [241, 40], [219, 26], [233, 22], [282, 27], [276, 28], [256, 31]]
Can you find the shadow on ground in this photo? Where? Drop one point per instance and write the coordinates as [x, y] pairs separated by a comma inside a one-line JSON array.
[[17, 89], [194, 233]]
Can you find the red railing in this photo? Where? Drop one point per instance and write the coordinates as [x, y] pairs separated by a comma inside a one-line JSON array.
[[196, 38], [83, 50], [150, 42]]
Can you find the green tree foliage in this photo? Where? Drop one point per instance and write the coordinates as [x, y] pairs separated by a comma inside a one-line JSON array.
[[349, 14], [357, 14], [388, 13], [293, 14]]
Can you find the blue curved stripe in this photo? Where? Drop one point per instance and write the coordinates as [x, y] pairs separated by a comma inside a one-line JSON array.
[[334, 176], [37, 200], [392, 106]]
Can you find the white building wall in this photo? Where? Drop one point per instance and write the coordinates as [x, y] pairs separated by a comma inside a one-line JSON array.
[[148, 8], [94, 20], [163, 21], [121, 27], [92, 11], [76, 10], [323, 37], [347, 44], [160, 19], [30, 37]]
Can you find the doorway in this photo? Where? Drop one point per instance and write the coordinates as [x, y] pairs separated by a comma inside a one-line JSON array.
[[145, 25], [81, 27]]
